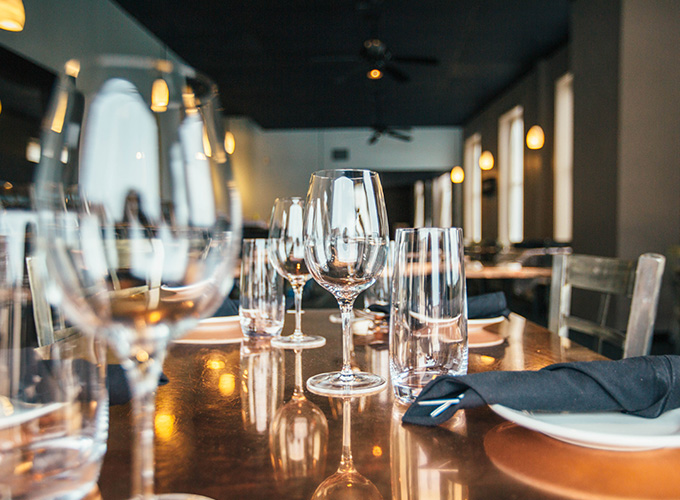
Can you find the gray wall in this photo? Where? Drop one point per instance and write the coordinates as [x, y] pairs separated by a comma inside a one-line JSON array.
[[59, 30]]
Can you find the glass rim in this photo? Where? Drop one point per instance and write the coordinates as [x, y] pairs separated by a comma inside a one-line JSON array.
[[426, 230], [357, 173], [289, 198]]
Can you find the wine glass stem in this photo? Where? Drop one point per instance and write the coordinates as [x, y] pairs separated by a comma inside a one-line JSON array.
[[346, 374], [143, 410], [298, 392], [346, 463], [297, 290]]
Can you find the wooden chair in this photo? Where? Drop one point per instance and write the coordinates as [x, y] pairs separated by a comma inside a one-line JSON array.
[[640, 281]]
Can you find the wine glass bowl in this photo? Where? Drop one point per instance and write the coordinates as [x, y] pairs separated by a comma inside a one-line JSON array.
[[135, 203], [346, 236], [287, 254]]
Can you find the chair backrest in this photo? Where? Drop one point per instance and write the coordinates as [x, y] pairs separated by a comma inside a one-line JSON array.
[[638, 280]]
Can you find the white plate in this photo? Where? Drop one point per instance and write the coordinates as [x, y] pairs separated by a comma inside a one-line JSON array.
[[478, 338], [474, 324], [217, 330], [604, 431]]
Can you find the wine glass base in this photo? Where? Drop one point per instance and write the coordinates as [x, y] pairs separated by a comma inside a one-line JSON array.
[[304, 342], [332, 384]]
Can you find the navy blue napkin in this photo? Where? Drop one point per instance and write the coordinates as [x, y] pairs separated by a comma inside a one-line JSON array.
[[645, 386]]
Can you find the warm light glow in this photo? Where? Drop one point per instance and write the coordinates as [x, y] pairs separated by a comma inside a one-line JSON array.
[[154, 316], [8, 185], [374, 74], [487, 360], [486, 160], [60, 113], [377, 451], [214, 364], [206, 143], [227, 384], [72, 68], [535, 137], [12, 15], [0, 106], [229, 143], [189, 99], [160, 95], [33, 150], [457, 175], [164, 425], [142, 356]]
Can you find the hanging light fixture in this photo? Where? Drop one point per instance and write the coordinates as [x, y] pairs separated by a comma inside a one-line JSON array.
[[486, 160], [12, 15], [535, 137], [374, 74], [229, 143], [160, 95], [457, 175]]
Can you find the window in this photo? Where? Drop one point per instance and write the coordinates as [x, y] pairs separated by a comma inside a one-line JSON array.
[[472, 190], [511, 176], [564, 158]]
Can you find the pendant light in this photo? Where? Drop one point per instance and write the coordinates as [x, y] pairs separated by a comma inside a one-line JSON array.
[[12, 15]]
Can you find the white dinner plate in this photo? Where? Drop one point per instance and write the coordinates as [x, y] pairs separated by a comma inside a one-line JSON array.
[[476, 323], [605, 431], [217, 330], [479, 338]]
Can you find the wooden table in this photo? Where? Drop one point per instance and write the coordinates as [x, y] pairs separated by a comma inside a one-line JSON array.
[[213, 423]]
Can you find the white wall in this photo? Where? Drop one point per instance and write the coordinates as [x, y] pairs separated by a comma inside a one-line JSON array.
[[59, 30], [272, 163]]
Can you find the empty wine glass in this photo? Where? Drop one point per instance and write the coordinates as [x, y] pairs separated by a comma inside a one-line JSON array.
[[346, 483], [137, 208], [346, 238], [287, 253], [298, 438]]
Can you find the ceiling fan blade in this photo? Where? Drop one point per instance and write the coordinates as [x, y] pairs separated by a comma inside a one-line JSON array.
[[374, 138], [396, 73], [399, 135], [428, 61]]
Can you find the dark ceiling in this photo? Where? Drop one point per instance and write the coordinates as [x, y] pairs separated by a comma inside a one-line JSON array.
[[298, 63]]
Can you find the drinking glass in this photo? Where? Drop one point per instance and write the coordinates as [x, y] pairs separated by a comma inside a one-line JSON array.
[[262, 305], [379, 293], [346, 238], [347, 483], [136, 204], [287, 251], [53, 400], [428, 315]]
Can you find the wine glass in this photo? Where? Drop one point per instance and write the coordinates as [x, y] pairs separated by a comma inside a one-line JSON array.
[[287, 254], [298, 438], [346, 238], [138, 216], [346, 483]]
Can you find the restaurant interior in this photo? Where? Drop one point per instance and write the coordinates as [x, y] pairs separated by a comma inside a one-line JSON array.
[[297, 98], [541, 128]]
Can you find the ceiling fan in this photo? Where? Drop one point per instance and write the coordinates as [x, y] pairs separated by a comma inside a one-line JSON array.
[[374, 58], [381, 129]]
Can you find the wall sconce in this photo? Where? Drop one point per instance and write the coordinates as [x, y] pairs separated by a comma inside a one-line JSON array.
[[457, 175], [229, 143], [535, 137], [486, 160], [12, 15]]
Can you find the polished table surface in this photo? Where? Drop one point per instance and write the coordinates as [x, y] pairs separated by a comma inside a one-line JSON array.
[[214, 420]]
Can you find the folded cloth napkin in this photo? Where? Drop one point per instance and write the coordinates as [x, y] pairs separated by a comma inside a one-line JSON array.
[[487, 305], [645, 386]]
